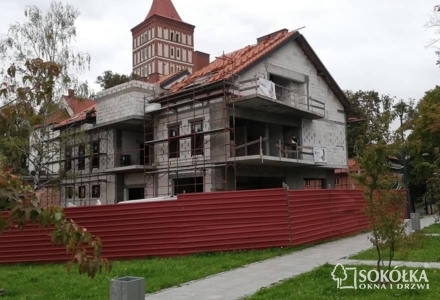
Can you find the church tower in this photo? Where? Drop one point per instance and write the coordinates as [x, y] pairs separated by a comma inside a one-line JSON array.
[[162, 43]]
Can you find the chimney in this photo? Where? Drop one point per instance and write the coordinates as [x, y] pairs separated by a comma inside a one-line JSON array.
[[153, 77], [200, 60], [71, 93], [271, 35]]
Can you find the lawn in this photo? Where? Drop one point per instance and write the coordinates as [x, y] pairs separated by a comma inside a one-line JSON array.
[[423, 249], [319, 285], [434, 228], [26, 282]]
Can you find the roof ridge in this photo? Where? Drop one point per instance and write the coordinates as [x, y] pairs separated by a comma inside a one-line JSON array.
[[164, 8]]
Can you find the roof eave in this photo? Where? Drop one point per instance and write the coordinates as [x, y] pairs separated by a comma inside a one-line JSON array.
[[328, 78], [174, 77], [163, 18], [188, 92]]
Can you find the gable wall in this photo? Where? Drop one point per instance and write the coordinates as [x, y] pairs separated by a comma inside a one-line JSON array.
[[329, 133]]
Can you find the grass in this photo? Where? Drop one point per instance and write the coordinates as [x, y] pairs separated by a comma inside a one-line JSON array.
[[434, 228], [319, 285], [421, 249], [34, 282]]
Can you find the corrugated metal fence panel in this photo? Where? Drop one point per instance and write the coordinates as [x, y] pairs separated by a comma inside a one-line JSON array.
[[133, 230], [31, 245], [127, 231], [318, 215], [201, 222], [234, 220]]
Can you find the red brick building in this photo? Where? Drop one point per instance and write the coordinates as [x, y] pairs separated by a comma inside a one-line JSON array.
[[164, 44]]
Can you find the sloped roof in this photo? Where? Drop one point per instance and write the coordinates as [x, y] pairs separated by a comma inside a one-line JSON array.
[[164, 8], [237, 62], [57, 116], [79, 116], [223, 67], [78, 104], [167, 79]]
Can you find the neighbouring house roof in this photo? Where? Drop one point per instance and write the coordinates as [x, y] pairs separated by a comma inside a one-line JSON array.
[[78, 104], [81, 116], [164, 8], [353, 166], [237, 62], [56, 117], [62, 116]]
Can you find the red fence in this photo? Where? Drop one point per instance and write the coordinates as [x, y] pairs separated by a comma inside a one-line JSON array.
[[201, 223]]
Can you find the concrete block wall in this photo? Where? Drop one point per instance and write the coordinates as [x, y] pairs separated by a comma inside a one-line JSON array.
[[184, 118], [89, 177], [107, 191], [328, 135], [122, 101], [329, 132], [130, 145]]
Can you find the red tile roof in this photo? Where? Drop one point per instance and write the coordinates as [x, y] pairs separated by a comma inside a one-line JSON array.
[[233, 63], [79, 116], [164, 8], [57, 117], [165, 77], [78, 104]]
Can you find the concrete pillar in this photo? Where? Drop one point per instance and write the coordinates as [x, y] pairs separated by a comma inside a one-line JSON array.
[[330, 179], [294, 178], [266, 135]]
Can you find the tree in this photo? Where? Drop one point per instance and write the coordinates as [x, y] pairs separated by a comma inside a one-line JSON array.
[[30, 94], [110, 79], [24, 207], [425, 136], [384, 206], [361, 102], [434, 24]]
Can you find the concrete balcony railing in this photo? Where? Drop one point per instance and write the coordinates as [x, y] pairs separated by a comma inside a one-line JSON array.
[[261, 94], [268, 151]]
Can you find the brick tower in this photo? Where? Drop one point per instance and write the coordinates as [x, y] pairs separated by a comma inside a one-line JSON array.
[[162, 43]]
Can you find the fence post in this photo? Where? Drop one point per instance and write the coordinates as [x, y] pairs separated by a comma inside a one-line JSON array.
[[288, 214]]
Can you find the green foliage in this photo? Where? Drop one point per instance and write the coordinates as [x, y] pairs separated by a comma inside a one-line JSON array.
[[110, 79], [24, 207], [418, 247], [38, 63], [385, 206], [425, 136]]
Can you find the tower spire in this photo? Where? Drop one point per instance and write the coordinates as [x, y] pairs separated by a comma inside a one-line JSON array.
[[164, 8]]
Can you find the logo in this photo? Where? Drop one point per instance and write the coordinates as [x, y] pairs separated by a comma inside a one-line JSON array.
[[352, 278]]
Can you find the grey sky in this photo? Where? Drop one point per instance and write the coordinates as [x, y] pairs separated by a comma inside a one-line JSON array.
[[372, 44]]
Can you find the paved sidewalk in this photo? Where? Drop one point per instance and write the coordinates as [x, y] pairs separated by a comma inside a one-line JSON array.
[[237, 283]]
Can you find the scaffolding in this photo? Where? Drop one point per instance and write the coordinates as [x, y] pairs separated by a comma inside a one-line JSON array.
[[190, 140]]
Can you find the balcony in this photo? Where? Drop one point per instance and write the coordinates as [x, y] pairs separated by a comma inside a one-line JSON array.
[[276, 153], [264, 95], [129, 162]]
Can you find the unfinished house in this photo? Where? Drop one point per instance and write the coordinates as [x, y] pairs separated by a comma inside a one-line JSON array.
[[229, 126]]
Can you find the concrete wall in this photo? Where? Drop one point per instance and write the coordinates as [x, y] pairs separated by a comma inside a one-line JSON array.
[[44, 150], [91, 176], [328, 133], [122, 101]]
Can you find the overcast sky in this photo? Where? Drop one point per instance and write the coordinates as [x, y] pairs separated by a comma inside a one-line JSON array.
[[373, 44]]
